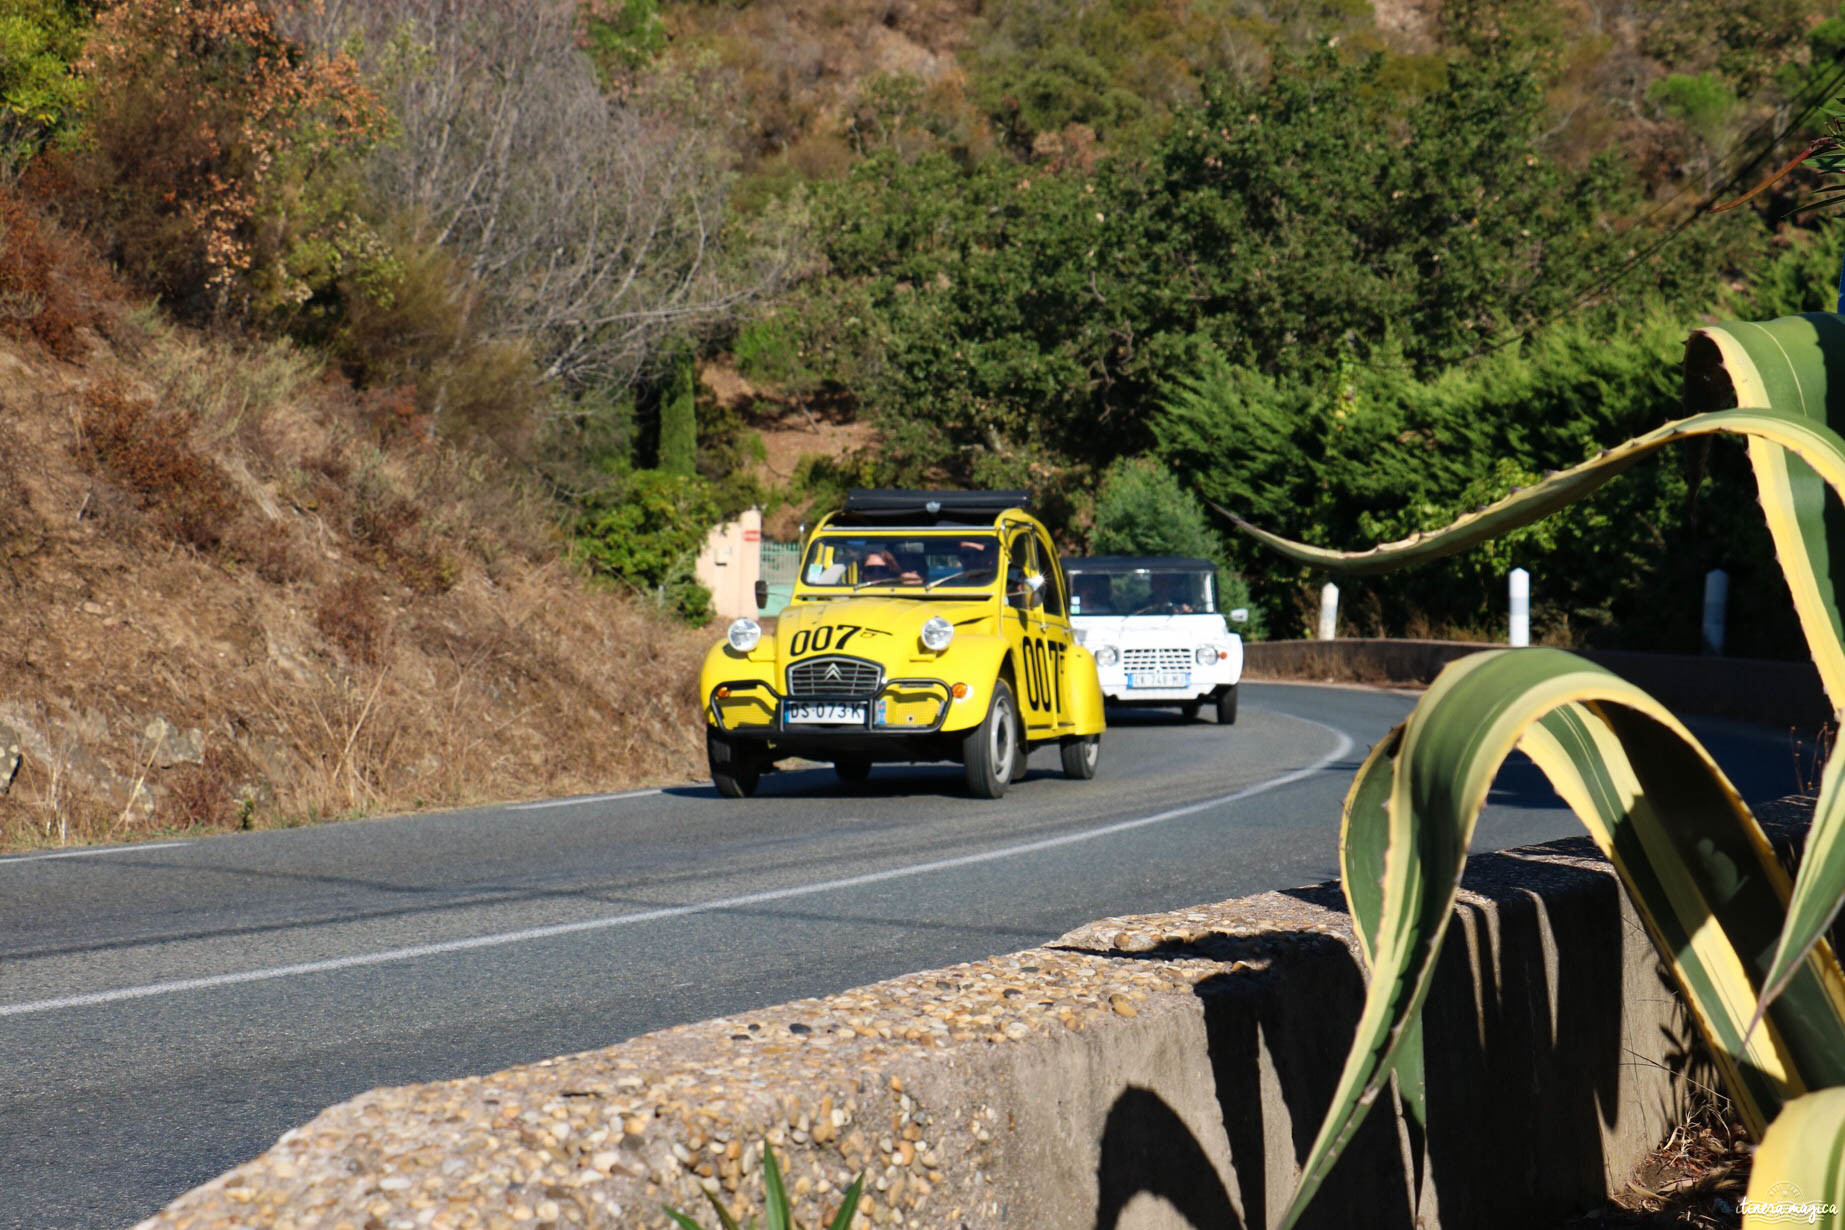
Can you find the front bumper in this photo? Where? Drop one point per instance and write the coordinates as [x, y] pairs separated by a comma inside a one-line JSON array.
[[755, 709], [1203, 684]]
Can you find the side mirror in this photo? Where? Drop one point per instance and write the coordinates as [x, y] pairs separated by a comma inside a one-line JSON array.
[[762, 593], [1238, 615], [1027, 593]]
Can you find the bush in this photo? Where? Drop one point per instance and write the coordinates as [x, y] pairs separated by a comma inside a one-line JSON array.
[[219, 159], [124, 439], [1143, 510], [349, 616], [39, 95], [646, 530], [50, 289]]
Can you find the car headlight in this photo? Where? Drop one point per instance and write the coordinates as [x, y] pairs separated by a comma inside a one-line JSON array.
[[1107, 655], [744, 634], [1207, 654], [937, 633]]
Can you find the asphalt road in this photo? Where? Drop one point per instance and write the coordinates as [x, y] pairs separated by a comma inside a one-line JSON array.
[[167, 1011]]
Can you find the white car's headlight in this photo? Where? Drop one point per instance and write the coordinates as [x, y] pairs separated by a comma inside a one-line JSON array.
[[937, 633], [1107, 655], [744, 634], [1207, 654]]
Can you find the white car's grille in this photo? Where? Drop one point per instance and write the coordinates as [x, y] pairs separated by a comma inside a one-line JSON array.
[[834, 676], [1165, 659]]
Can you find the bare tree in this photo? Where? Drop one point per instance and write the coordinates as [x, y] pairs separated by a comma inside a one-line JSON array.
[[595, 222]]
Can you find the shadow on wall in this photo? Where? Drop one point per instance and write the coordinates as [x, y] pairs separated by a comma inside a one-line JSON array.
[[1525, 1057]]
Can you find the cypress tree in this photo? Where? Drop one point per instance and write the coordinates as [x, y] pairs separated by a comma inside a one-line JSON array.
[[679, 420]]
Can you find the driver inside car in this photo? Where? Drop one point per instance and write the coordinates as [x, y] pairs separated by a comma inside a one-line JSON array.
[[975, 560], [1170, 594], [883, 566]]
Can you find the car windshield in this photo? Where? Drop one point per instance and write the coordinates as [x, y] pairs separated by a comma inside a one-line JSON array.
[[1143, 591], [905, 560]]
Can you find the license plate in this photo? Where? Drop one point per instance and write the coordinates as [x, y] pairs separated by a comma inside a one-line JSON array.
[[1160, 679], [823, 713]]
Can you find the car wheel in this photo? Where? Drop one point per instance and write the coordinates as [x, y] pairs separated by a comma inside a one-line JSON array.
[[852, 769], [1190, 709], [1080, 756], [1226, 705], [989, 750], [733, 773]]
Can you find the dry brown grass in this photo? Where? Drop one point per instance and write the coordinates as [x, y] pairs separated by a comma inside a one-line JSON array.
[[339, 617]]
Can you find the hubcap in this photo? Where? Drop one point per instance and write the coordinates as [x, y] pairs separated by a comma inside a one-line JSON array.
[[1002, 742]]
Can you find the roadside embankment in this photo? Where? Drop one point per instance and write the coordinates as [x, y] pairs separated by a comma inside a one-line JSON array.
[[1144, 1072], [1747, 689]]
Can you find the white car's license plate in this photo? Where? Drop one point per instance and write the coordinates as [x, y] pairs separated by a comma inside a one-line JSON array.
[[823, 713], [1160, 679]]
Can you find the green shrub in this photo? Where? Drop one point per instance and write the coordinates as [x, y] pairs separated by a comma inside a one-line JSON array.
[[645, 530], [1144, 510]]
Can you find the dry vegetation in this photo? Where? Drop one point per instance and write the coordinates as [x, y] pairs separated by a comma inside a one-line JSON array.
[[239, 595]]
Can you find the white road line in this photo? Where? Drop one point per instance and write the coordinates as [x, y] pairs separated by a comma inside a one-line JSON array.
[[1343, 749], [585, 798], [39, 858]]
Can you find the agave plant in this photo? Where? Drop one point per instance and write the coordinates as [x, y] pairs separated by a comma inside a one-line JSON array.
[[1745, 945], [778, 1210]]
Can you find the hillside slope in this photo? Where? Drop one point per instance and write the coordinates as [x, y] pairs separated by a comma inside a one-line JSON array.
[[239, 595]]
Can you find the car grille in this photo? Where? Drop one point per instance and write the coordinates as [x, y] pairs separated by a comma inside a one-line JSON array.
[[834, 676], [1165, 659]]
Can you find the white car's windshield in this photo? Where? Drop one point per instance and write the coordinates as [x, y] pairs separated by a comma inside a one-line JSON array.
[[1142, 591], [967, 560]]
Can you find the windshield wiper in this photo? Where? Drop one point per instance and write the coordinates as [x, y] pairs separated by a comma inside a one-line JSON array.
[[947, 576]]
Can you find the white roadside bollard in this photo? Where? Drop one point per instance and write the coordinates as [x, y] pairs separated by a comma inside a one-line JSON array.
[[1518, 593], [1716, 603], [1329, 611]]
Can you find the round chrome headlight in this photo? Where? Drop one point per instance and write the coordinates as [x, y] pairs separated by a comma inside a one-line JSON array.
[[1207, 654], [937, 633], [1107, 655], [744, 634]]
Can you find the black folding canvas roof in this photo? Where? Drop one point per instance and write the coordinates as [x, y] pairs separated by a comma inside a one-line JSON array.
[[1136, 563], [891, 506]]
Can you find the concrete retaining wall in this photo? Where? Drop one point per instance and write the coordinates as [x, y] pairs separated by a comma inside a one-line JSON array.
[[1749, 689], [1144, 1073]]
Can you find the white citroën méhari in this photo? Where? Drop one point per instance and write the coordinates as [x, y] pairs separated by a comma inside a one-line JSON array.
[[1153, 624]]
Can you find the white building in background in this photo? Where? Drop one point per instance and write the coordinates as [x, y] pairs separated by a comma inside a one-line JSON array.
[[730, 565]]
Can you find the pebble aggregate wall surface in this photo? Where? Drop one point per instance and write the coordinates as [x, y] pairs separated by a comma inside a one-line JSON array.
[[1148, 1072]]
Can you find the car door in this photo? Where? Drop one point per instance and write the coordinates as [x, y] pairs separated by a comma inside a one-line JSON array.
[[1054, 630], [1039, 645]]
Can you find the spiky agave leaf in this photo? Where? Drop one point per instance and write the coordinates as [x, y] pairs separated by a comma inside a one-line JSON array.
[[1796, 456], [1701, 872], [1364, 840], [1799, 1165], [1788, 365]]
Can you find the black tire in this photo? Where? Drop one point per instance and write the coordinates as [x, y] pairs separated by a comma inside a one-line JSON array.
[[1190, 709], [990, 750], [1226, 705], [1081, 755], [853, 768], [734, 773]]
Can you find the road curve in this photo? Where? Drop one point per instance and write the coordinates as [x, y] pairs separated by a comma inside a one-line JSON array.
[[168, 1010]]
